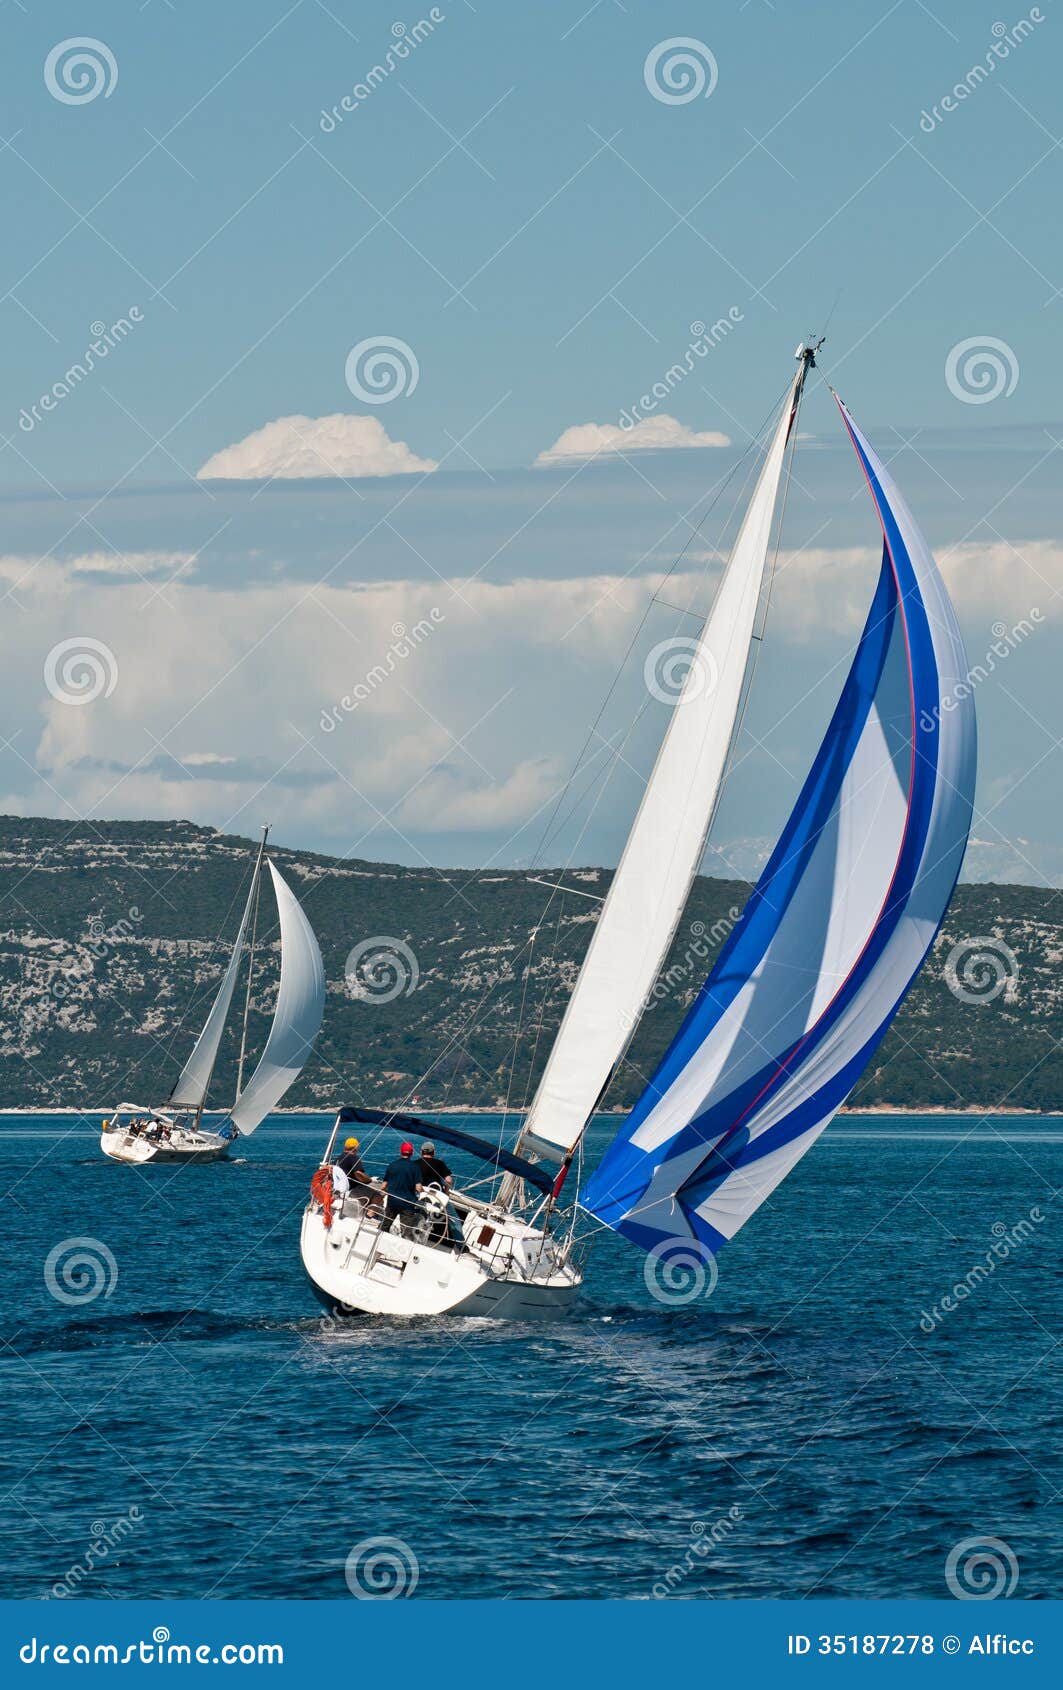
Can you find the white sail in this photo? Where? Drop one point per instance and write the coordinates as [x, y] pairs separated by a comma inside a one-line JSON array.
[[665, 845], [191, 1089], [296, 1019], [834, 933]]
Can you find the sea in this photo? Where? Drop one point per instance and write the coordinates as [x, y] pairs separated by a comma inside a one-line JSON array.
[[864, 1402]]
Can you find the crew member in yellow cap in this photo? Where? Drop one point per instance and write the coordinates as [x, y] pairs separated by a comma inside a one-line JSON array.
[[351, 1163]]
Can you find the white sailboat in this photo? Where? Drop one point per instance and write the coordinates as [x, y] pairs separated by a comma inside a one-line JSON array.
[[807, 984], [176, 1132]]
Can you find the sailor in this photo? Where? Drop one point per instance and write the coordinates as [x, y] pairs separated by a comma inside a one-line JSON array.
[[350, 1161], [434, 1170], [402, 1186]]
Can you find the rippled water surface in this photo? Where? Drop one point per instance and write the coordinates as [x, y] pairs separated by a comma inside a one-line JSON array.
[[199, 1429]]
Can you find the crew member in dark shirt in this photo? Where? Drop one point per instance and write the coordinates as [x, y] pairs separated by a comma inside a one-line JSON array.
[[402, 1184], [434, 1170], [351, 1162]]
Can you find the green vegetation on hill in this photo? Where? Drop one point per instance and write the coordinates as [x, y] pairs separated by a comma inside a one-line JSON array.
[[109, 959]]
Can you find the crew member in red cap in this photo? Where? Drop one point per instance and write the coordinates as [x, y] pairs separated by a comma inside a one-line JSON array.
[[402, 1185]]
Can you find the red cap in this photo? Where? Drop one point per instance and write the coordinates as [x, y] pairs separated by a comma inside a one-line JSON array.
[[406, 1149]]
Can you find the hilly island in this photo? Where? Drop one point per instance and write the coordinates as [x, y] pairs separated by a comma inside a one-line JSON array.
[[444, 986]]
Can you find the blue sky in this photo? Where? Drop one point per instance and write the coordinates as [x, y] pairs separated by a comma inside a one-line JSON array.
[[540, 232]]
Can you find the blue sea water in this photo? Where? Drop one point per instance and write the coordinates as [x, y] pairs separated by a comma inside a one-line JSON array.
[[819, 1424]]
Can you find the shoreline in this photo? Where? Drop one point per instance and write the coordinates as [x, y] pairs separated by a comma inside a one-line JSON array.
[[885, 1111]]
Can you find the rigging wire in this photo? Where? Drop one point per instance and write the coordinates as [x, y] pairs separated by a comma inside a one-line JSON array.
[[551, 826], [555, 823], [250, 975], [734, 738], [758, 638], [456, 1038], [696, 528], [198, 998]]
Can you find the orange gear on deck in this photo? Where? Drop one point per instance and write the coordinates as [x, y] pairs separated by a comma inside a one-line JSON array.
[[321, 1192]]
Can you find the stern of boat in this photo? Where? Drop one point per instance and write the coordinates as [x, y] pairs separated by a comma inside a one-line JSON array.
[[355, 1268]]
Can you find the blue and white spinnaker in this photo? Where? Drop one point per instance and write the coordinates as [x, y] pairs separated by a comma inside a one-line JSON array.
[[833, 934]]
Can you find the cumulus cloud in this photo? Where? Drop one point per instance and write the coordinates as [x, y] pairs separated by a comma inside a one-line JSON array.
[[16, 567], [450, 801], [821, 591], [394, 716], [595, 440], [301, 448]]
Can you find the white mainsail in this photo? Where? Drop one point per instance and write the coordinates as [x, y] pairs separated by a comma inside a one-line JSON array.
[[190, 1092], [664, 848], [296, 1019]]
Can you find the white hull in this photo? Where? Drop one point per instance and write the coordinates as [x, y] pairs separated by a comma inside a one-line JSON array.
[[356, 1269], [123, 1146]]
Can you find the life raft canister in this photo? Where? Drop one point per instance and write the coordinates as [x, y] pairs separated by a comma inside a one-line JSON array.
[[321, 1192]]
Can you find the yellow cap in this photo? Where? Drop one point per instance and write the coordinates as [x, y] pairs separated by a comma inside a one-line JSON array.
[[350, 1144]]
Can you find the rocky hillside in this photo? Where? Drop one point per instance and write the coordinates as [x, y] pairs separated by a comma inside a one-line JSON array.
[[109, 958]]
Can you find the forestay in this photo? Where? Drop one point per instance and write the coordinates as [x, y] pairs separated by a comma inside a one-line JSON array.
[[661, 858], [296, 1019], [833, 934], [191, 1089]]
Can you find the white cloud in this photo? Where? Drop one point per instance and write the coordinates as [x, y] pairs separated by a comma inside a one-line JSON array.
[[16, 567], [298, 448], [595, 440], [822, 591], [449, 801], [470, 696]]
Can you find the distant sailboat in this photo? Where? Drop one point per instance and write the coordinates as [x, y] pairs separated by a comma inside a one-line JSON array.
[[806, 986], [176, 1132]]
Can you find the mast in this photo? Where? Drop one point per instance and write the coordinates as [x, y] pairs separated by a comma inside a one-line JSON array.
[[257, 883], [193, 1082], [667, 840]]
